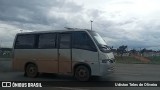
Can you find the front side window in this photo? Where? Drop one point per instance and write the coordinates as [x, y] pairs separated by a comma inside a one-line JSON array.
[[81, 40], [47, 41], [25, 41]]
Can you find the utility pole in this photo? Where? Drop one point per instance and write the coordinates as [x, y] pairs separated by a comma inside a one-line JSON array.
[[0, 43], [91, 25]]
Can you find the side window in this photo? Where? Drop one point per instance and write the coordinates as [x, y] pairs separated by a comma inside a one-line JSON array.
[[81, 40], [25, 42], [64, 41], [47, 41]]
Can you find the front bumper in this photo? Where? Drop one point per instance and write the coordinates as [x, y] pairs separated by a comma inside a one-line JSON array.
[[106, 68]]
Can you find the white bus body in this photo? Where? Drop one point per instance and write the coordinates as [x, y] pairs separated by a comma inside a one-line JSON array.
[[81, 53]]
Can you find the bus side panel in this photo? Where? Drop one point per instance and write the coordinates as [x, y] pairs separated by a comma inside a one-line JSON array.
[[20, 59], [88, 57], [45, 59]]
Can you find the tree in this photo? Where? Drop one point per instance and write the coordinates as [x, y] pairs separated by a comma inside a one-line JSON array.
[[121, 50], [133, 51], [143, 50]]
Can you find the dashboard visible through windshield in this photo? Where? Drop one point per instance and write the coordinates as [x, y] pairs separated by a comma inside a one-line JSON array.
[[100, 42], [98, 38]]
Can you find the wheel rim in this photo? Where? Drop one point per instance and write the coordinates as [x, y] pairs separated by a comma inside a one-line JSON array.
[[82, 74], [31, 71]]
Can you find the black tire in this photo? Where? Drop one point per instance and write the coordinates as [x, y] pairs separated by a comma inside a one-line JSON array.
[[82, 73], [31, 70]]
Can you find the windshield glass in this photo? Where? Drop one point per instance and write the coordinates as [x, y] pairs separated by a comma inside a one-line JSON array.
[[99, 39], [100, 42]]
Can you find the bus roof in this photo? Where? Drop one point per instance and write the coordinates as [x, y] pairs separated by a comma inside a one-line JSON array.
[[66, 30]]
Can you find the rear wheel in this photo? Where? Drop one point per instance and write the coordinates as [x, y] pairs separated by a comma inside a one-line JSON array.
[[31, 70], [82, 73]]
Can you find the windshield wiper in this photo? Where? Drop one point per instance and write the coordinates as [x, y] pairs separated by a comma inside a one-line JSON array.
[[106, 46]]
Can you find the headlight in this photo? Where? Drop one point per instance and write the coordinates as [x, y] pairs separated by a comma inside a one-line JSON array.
[[107, 60]]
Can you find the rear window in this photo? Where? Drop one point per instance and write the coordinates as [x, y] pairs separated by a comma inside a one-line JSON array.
[[25, 42]]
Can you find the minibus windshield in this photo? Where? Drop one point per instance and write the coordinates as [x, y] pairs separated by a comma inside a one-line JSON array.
[[100, 42], [98, 38]]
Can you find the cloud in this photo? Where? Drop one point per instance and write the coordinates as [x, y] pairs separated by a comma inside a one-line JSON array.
[[119, 22], [35, 11], [34, 15]]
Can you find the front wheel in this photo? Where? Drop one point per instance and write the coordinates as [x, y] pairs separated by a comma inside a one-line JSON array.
[[31, 70], [82, 73]]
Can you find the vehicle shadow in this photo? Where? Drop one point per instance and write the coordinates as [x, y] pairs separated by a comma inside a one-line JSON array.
[[69, 81], [57, 77]]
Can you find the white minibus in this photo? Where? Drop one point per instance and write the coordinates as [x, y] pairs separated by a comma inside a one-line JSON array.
[[77, 52]]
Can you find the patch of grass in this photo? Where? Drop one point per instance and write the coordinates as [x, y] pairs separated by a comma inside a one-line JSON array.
[[127, 60], [132, 60], [154, 59]]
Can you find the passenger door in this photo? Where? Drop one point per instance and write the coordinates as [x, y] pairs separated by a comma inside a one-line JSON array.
[[64, 53], [47, 53]]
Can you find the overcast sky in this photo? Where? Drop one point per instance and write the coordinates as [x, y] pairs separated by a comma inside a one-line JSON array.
[[135, 23]]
